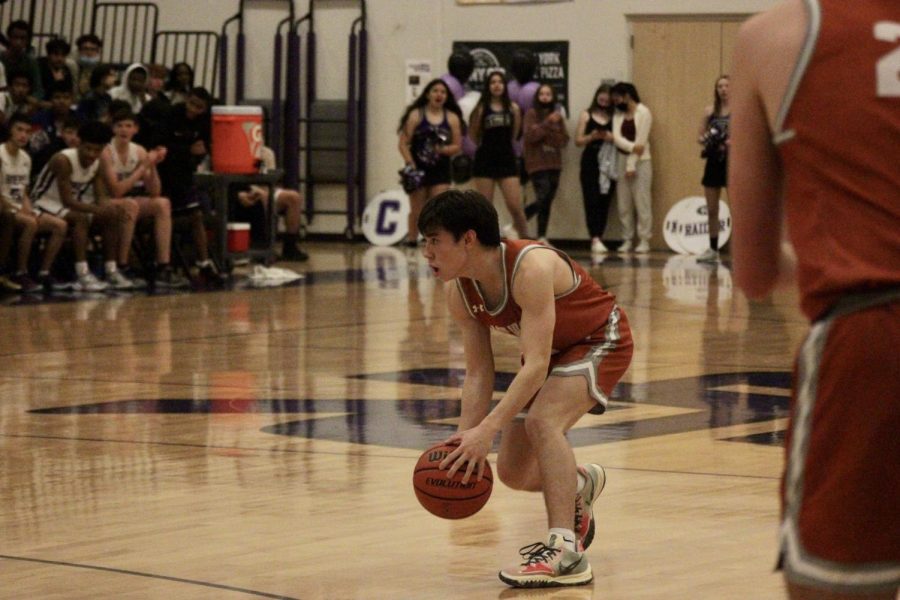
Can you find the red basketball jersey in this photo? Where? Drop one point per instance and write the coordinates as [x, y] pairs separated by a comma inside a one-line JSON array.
[[839, 139], [581, 311]]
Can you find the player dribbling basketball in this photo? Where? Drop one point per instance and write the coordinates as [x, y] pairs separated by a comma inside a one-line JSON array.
[[575, 344]]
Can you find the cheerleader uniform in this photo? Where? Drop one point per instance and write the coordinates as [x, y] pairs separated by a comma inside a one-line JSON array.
[[495, 157]]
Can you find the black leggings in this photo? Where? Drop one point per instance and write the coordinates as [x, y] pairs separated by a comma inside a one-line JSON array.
[[545, 185], [596, 205]]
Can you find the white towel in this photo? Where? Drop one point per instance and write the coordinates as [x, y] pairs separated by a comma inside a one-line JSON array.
[[262, 276]]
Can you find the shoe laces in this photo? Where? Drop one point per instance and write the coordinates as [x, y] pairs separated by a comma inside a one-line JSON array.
[[538, 552]]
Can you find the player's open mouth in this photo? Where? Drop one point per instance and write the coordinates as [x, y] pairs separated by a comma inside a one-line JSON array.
[[434, 269]]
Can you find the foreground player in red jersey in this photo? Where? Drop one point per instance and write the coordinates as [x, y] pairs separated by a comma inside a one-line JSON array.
[[575, 344], [816, 142]]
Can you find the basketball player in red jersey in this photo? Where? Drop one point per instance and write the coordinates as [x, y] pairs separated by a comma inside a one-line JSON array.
[[575, 344], [816, 142]]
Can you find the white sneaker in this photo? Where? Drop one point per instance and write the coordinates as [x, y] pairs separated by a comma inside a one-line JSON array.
[[643, 247], [548, 565], [118, 281], [89, 283], [594, 482], [509, 232], [597, 246], [710, 256], [625, 247]]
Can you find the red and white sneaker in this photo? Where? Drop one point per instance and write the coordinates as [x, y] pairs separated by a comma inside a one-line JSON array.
[[548, 565], [595, 480]]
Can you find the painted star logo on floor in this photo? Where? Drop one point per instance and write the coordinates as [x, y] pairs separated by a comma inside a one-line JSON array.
[[635, 410]]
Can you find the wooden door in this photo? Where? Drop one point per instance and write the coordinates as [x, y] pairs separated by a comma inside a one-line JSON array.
[[675, 65]]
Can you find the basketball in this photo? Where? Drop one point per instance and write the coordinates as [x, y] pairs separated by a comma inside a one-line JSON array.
[[445, 497]]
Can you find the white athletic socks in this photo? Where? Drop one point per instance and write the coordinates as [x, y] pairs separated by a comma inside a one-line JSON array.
[[568, 537], [581, 481]]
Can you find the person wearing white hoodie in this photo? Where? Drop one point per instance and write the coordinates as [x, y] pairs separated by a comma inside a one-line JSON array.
[[133, 88]]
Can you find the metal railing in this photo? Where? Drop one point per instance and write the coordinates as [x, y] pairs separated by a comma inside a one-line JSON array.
[[127, 30], [199, 49]]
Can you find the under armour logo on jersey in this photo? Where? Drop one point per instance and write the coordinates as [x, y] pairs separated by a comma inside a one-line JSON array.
[[478, 308]]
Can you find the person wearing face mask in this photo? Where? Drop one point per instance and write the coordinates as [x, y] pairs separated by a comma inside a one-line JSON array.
[[545, 136], [593, 131], [89, 47], [631, 132]]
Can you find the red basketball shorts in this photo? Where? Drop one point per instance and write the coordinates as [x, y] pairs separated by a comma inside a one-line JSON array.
[[841, 486], [601, 359]]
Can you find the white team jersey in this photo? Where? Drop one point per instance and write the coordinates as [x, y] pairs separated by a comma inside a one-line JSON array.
[[125, 169], [46, 190], [14, 174]]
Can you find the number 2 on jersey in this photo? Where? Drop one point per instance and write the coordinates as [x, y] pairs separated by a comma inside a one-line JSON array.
[[887, 69]]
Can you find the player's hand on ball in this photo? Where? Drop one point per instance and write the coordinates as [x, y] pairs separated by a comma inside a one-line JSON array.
[[472, 449]]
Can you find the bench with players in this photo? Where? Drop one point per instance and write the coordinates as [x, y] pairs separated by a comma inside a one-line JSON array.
[[88, 166]]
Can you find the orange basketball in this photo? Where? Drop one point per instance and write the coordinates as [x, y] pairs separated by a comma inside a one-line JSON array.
[[449, 498]]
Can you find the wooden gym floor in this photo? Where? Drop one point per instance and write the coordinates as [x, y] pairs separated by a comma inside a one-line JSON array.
[[260, 443]]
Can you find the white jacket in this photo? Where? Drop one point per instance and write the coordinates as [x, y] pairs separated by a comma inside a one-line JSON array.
[[121, 92], [643, 120]]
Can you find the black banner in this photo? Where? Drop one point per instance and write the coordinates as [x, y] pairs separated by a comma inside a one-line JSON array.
[[552, 63]]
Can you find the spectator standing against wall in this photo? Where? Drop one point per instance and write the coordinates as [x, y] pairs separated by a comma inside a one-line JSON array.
[[496, 122], [631, 132], [430, 133], [713, 136], [545, 136], [593, 131]]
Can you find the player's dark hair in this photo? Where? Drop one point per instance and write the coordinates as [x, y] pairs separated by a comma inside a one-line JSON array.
[[59, 87], [19, 25], [70, 122], [58, 46], [123, 114], [201, 93], [95, 132], [116, 106], [101, 72], [18, 118], [457, 212], [18, 73]]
